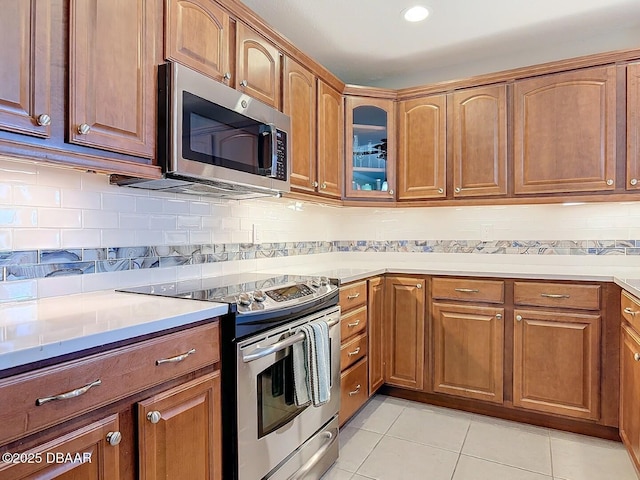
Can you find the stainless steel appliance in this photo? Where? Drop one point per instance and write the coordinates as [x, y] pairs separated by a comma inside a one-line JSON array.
[[216, 141], [266, 436]]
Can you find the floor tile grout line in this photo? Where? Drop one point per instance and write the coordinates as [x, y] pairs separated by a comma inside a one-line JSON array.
[[550, 454], [505, 464], [455, 467]]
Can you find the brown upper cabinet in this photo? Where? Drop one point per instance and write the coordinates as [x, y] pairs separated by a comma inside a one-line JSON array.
[[317, 148], [422, 153], [112, 76], [633, 126], [25, 95], [370, 148], [258, 66], [565, 132], [197, 35], [479, 127]]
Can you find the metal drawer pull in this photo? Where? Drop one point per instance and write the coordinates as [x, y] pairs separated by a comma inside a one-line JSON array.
[[636, 357], [177, 358], [355, 295], [499, 316], [519, 318], [554, 295], [331, 436], [355, 392], [355, 352], [628, 311], [114, 438], [72, 394], [353, 324], [154, 416], [467, 290], [261, 352]]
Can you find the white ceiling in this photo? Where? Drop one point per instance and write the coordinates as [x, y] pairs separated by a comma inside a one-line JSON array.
[[367, 42]]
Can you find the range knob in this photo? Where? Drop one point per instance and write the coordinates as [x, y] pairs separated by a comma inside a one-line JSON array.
[[259, 296], [244, 299], [324, 281], [315, 282]]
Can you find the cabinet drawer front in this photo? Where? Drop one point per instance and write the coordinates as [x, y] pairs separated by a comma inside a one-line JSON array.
[[352, 351], [561, 295], [352, 296], [630, 309], [121, 372], [466, 290], [353, 323], [353, 390]]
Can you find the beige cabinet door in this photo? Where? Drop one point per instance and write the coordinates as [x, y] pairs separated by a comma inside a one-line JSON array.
[[479, 127], [112, 84], [468, 351], [258, 66], [565, 132], [556, 363], [405, 332], [197, 35], [25, 100]]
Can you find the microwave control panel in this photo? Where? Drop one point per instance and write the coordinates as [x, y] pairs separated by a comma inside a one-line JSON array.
[[281, 163]]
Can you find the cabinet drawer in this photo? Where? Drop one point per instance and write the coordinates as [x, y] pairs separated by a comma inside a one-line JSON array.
[[630, 309], [352, 351], [353, 323], [352, 296], [562, 295], [467, 290], [121, 372], [353, 390]]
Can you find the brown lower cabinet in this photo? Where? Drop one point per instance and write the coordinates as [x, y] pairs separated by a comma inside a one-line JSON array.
[[376, 333], [630, 378], [144, 419]]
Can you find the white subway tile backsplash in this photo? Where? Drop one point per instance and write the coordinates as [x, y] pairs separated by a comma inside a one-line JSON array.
[[5, 193], [58, 286], [36, 196], [18, 172], [81, 199], [117, 238], [230, 223], [5, 239], [189, 222], [176, 206], [18, 291], [197, 237], [163, 222], [34, 238], [133, 221], [85, 238], [176, 238], [18, 217], [58, 177], [240, 236], [99, 219], [214, 223], [118, 203], [148, 237], [199, 208], [95, 182], [59, 218], [149, 205]]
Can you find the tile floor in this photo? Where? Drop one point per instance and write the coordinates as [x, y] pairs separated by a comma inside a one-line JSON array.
[[395, 439]]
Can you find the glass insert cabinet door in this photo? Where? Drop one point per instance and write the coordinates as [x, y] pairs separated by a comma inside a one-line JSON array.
[[370, 148]]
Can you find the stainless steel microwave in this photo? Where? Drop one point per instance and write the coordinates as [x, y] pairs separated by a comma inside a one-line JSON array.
[[214, 140]]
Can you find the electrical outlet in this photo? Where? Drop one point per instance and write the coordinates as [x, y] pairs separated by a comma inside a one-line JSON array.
[[257, 234], [486, 232]]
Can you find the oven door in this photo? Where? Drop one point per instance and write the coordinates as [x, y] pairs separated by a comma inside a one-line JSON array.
[[270, 426]]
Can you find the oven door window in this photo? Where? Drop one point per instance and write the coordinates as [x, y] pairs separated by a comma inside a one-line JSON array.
[[276, 404], [218, 136]]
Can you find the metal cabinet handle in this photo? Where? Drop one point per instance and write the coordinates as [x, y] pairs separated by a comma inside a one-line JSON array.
[[72, 394], [154, 416], [554, 295], [355, 295], [243, 83], [227, 76], [457, 190], [177, 358], [519, 318], [418, 285], [84, 128], [356, 391], [467, 290], [354, 324], [355, 352], [324, 185], [390, 192], [43, 120], [628, 311], [331, 436], [636, 357], [633, 181], [610, 182], [314, 184], [498, 316], [114, 438], [441, 190]]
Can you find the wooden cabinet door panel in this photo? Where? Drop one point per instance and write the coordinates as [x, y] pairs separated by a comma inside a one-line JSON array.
[[25, 59], [186, 442], [197, 35], [299, 102], [630, 393], [376, 312], [404, 328], [633, 127], [258, 66], [480, 141], [468, 346], [95, 458], [112, 79], [557, 363], [565, 131], [330, 140], [422, 148]]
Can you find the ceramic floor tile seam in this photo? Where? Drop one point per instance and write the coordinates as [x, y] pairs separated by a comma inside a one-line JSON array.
[[507, 465], [369, 454]]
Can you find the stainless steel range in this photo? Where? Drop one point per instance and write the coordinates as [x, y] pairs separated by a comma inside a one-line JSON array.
[[265, 435]]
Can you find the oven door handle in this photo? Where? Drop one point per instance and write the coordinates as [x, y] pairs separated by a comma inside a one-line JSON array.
[[332, 436], [262, 352]]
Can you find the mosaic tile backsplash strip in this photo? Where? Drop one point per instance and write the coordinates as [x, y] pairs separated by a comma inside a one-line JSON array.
[[28, 264]]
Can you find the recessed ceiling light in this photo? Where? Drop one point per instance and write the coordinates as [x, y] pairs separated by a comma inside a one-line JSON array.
[[416, 14]]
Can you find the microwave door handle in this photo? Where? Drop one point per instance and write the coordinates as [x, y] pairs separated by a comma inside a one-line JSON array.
[[274, 150]]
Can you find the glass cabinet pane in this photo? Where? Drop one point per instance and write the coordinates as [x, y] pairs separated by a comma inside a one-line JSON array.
[[369, 157]]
